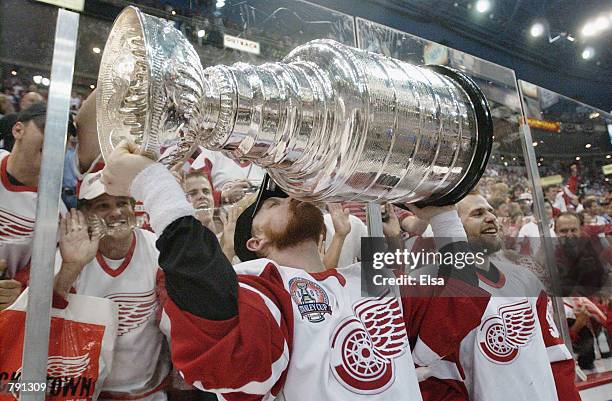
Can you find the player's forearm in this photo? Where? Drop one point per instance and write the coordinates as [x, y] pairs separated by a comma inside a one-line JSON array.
[[332, 254], [199, 278], [447, 228], [87, 133]]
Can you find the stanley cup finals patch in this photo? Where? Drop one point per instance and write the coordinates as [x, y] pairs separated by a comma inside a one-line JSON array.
[[312, 300]]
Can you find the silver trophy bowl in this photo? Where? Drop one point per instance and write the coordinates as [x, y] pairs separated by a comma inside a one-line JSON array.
[[329, 122]]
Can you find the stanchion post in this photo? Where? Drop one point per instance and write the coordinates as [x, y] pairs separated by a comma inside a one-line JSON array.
[[37, 327]]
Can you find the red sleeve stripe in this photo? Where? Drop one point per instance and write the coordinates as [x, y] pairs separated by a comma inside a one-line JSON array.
[[244, 397], [558, 353], [423, 355], [432, 364], [254, 387], [443, 370], [274, 311]]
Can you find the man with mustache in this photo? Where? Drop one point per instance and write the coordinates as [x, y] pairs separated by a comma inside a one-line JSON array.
[[120, 266], [516, 352], [280, 325]]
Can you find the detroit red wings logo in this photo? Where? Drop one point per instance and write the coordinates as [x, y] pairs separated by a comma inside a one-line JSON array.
[[134, 309], [14, 228], [501, 337], [62, 367], [66, 366], [365, 345]]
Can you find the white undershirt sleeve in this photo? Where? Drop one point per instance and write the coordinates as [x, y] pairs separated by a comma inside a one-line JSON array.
[[162, 196]]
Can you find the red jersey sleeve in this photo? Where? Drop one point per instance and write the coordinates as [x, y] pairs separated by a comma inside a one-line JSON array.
[[561, 361], [244, 357]]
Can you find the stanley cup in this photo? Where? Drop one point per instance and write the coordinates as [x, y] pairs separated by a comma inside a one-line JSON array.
[[329, 122]]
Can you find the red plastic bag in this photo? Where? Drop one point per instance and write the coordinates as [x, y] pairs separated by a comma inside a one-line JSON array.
[[80, 348]]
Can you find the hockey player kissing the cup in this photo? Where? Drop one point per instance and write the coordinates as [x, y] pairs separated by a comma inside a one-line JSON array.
[[279, 325]]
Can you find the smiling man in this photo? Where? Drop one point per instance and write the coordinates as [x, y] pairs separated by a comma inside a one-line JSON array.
[[121, 266], [516, 352]]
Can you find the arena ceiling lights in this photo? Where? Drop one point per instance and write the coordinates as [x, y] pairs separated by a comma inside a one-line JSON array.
[[482, 6]]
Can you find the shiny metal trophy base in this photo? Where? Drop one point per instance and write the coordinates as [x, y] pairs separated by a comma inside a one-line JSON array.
[[329, 122]]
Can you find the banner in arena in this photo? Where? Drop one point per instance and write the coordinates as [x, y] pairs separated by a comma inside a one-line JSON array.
[[551, 180], [550, 126]]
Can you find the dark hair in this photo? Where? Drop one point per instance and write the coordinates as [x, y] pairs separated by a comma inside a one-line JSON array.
[[38, 114], [83, 204], [546, 188], [517, 187]]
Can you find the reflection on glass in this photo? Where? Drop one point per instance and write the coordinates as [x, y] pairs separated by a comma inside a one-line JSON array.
[[572, 147]]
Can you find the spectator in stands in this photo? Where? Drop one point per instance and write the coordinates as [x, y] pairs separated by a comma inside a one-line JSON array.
[[70, 177], [528, 238], [498, 202], [585, 321], [6, 107], [500, 190], [512, 224], [568, 225], [591, 206], [121, 266], [581, 270], [525, 200], [9, 119], [554, 195], [29, 99], [516, 192], [570, 190]]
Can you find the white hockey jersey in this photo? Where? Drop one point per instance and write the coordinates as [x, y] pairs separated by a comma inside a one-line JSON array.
[[302, 336], [17, 218], [141, 360], [515, 353], [334, 345]]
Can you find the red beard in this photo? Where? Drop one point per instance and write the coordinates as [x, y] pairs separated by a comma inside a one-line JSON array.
[[305, 223]]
